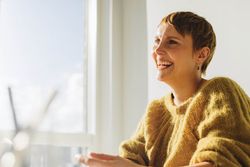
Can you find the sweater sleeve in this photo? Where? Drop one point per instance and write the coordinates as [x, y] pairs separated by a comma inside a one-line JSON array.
[[225, 130], [134, 148]]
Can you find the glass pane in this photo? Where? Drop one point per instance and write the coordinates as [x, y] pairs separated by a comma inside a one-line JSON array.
[[42, 49], [52, 156]]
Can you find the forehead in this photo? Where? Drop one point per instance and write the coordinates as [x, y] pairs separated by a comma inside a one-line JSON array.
[[166, 29]]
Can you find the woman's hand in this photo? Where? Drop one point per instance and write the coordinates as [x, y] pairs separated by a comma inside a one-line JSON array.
[[105, 160]]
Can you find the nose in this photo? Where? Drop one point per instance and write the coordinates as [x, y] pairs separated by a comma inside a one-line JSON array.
[[159, 50]]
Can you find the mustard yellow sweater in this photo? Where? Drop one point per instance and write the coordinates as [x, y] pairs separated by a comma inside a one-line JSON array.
[[213, 125]]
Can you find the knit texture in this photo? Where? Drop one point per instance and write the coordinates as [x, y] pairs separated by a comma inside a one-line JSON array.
[[213, 125]]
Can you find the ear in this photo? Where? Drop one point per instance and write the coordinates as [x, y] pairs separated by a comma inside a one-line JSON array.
[[202, 55]]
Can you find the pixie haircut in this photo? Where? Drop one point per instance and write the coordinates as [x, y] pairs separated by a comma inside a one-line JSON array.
[[201, 31]]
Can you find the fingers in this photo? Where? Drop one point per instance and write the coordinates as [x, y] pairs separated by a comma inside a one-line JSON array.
[[95, 162], [103, 156], [96, 159], [80, 158]]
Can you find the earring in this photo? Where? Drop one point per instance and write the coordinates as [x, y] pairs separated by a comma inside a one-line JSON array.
[[198, 68]]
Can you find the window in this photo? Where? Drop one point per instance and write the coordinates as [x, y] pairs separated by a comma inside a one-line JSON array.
[[43, 48]]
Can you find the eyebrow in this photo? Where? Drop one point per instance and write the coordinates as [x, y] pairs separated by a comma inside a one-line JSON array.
[[173, 37], [168, 37]]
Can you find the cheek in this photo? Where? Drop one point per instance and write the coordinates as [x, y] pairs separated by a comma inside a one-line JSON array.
[[187, 65], [184, 62]]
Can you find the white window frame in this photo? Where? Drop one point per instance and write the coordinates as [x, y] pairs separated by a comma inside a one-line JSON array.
[[109, 77]]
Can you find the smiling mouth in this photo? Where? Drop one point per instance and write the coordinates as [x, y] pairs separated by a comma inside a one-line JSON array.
[[164, 65]]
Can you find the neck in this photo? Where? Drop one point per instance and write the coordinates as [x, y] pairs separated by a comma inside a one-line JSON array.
[[185, 89]]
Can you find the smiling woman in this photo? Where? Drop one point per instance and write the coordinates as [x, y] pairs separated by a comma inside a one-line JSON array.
[[201, 122]]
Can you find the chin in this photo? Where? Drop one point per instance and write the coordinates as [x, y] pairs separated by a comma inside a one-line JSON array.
[[163, 79]]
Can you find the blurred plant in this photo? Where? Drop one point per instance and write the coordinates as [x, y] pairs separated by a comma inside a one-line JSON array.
[[14, 151]]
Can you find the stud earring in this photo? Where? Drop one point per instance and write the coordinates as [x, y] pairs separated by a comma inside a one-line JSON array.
[[198, 68]]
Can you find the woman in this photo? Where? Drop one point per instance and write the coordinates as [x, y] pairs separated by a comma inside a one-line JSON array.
[[202, 122]]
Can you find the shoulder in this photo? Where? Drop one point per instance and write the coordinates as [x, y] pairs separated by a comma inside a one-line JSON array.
[[224, 92], [156, 104], [221, 82], [156, 107], [156, 111], [225, 95], [223, 85]]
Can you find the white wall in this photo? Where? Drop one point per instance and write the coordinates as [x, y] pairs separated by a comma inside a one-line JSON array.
[[231, 22]]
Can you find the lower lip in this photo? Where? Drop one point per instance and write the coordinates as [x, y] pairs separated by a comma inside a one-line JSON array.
[[163, 67]]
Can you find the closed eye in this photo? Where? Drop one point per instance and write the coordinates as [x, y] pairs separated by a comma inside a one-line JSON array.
[[172, 42]]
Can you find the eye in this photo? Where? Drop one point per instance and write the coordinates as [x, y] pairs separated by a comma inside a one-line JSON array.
[[172, 42]]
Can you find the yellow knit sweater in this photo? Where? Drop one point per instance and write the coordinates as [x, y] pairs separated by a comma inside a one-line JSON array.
[[213, 125]]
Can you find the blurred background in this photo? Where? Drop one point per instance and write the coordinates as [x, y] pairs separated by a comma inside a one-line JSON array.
[[97, 55]]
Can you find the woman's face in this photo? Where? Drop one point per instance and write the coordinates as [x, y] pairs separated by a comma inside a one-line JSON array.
[[173, 54]]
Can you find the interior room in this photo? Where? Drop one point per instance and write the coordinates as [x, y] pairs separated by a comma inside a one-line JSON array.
[[77, 76]]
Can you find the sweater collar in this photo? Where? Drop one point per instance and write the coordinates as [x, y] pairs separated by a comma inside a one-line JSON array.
[[181, 109], [172, 108]]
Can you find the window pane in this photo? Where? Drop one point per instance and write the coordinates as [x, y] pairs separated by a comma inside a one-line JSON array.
[[42, 49], [51, 156]]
